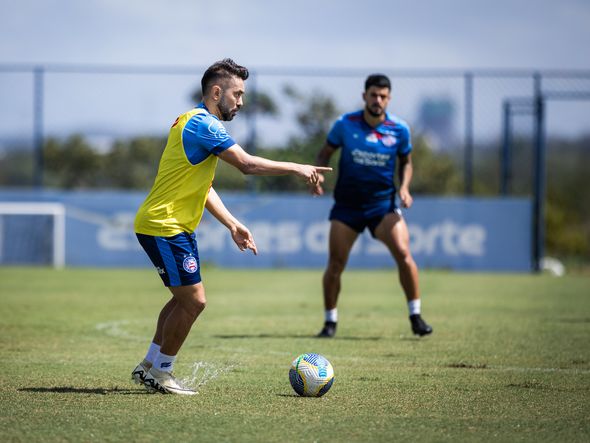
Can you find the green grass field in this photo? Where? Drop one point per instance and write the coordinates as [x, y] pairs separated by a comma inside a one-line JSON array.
[[509, 359]]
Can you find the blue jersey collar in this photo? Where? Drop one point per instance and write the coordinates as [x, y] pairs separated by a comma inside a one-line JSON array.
[[203, 106], [382, 127]]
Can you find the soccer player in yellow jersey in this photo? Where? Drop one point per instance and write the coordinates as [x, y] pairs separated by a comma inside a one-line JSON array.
[[166, 221]]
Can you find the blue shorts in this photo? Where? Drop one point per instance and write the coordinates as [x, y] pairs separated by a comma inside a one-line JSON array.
[[359, 218], [176, 258]]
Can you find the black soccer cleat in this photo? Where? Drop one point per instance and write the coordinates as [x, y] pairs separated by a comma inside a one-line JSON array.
[[329, 330], [419, 326]]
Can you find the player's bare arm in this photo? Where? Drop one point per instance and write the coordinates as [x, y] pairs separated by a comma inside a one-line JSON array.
[[405, 176], [253, 165], [240, 233], [322, 159]]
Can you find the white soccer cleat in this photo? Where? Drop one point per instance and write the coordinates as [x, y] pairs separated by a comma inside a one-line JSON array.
[[166, 383], [139, 373]]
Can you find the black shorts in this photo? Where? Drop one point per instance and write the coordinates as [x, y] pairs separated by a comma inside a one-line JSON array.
[[359, 218]]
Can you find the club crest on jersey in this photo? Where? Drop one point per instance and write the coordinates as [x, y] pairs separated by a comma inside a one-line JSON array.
[[190, 264], [389, 140], [372, 138]]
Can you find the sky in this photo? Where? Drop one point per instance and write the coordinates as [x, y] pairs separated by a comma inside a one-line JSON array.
[[537, 34], [262, 34]]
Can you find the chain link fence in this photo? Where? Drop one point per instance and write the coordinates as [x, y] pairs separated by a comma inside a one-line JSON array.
[[496, 124], [460, 112]]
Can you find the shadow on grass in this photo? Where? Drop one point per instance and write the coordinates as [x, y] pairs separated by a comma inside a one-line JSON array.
[[242, 336], [74, 390], [463, 365], [413, 338]]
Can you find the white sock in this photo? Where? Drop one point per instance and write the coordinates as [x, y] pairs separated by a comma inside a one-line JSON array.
[[164, 362], [414, 306], [331, 315], [152, 353]]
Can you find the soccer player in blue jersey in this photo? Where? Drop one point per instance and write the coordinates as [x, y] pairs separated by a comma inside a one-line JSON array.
[[372, 141], [165, 223]]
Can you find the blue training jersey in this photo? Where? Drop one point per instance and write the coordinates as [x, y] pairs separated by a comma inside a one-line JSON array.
[[368, 157]]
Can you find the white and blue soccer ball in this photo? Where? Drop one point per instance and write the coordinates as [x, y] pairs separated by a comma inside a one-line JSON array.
[[311, 375]]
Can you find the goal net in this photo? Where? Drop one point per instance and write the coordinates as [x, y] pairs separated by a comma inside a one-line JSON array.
[[32, 234]]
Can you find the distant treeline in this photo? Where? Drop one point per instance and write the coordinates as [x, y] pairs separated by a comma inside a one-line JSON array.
[[132, 164]]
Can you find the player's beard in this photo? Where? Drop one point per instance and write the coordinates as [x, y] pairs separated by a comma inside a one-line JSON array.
[[226, 112], [373, 113]]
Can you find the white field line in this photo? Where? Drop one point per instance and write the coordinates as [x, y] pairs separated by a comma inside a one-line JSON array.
[[204, 371], [120, 329]]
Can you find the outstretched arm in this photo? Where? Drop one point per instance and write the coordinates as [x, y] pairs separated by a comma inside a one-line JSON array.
[[405, 177], [240, 233], [254, 165]]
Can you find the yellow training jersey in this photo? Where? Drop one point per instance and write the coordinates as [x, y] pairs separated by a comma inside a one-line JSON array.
[[187, 167]]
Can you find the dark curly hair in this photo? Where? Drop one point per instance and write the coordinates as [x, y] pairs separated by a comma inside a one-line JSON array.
[[222, 70], [379, 80]]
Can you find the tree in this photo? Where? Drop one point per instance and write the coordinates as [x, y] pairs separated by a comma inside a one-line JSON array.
[[434, 172], [73, 164], [316, 112], [16, 167], [133, 164]]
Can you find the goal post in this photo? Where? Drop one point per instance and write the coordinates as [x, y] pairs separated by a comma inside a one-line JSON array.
[[24, 229]]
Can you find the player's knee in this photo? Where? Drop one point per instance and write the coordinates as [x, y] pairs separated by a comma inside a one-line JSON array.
[[195, 303], [199, 305], [200, 308], [402, 255], [335, 267], [195, 308]]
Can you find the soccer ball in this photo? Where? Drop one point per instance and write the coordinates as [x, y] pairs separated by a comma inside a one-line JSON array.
[[311, 375]]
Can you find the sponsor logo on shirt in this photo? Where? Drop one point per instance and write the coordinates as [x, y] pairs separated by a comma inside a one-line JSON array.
[[216, 129], [367, 158]]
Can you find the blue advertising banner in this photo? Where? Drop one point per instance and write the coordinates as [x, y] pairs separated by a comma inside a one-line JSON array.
[[478, 234]]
